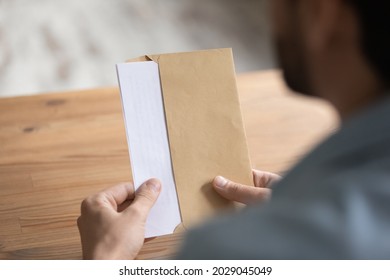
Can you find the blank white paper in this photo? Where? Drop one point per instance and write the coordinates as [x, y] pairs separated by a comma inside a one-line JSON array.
[[147, 139]]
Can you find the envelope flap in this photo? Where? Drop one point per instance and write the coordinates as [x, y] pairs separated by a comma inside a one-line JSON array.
[[139, 59], [205, 128]]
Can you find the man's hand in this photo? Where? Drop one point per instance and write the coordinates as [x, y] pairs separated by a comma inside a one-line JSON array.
[[112, 223], [247, 194]]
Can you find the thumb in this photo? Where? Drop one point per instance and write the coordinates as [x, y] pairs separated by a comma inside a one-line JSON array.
[[145, 197], [240, 193]]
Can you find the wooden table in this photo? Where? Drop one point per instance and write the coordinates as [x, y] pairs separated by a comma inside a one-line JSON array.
[[56, 149]]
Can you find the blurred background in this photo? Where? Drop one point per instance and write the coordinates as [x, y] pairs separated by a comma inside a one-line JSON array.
[[57, 45]]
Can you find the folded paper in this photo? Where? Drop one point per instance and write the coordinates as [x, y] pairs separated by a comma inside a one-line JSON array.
[[204, 126], [147, 136]]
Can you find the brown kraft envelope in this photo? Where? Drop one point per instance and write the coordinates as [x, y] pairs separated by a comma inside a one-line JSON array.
[[205, 128]]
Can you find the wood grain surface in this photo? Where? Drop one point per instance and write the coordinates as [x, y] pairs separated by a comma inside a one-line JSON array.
[[56, 149]]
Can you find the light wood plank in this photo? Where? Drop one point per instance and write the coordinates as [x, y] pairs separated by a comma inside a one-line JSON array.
[[56, 149]]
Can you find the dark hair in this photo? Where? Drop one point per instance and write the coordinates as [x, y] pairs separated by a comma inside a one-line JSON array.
[[374, 17]]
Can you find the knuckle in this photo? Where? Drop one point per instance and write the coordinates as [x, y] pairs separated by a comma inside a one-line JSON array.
[[265, 179], [86, 205], [91, 202], [146, 196], [98, 198], [234, 188], [261, 180]]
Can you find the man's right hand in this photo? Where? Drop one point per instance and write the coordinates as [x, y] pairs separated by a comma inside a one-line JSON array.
[[247, 194], [112, 222]]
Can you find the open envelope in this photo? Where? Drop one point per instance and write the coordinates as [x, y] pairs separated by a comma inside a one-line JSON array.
[[204, 127]]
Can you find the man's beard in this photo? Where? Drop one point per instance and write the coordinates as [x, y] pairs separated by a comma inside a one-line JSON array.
[[292, 60]]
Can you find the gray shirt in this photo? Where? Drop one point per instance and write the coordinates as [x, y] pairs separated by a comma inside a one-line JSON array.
[[335, 204]]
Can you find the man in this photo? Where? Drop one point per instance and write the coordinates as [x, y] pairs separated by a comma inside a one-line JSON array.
[[335, 204]]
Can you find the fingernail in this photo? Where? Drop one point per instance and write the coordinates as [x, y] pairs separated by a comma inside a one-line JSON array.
[[154, 185], [220, 182]]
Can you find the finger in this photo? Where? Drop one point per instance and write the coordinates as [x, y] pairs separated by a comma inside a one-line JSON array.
[[240, 193], [118, 194], [124, 206], [109, 198], [145, 197], [264, 179]]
